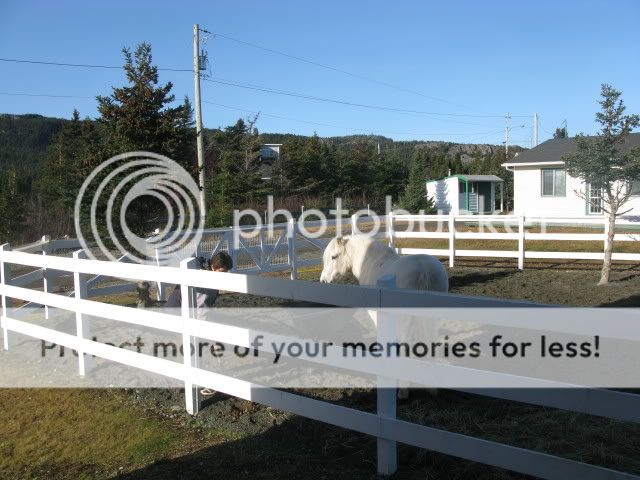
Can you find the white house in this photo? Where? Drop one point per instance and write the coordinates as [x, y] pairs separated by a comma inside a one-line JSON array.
[[542, 187], [269, 154], [467, 194]]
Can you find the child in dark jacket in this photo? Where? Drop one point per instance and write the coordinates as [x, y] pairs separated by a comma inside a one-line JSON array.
[[205, 297]]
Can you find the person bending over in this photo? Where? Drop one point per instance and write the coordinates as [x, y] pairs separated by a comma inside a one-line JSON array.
[[205, 297]]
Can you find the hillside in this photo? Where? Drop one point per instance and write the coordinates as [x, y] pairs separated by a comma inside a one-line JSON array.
[[24, 140]]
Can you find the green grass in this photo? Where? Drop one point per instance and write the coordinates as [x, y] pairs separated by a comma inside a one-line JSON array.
[[84, 434]]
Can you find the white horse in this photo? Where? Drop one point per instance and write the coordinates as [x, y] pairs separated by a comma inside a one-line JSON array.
[[368, 261]]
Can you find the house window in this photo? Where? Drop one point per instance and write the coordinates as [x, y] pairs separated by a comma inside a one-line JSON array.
[[553, 182], [635, 187], [595, 200]]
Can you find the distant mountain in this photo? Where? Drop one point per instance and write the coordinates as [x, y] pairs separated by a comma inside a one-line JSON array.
[[24, 140], [467, 151]]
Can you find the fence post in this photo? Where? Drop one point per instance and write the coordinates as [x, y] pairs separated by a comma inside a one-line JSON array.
[[233, 251], [82, 323], [354, 224], [390, 231], [521, 242], [47, 278], [386, 396], [162, 292], [292, 248], [189, 343], [5, 279], [452, 239], [263, 254]]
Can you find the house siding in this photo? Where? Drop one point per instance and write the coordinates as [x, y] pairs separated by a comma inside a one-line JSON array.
[[528, 199]]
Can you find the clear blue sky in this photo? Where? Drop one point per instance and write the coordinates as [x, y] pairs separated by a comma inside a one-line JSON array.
[[462, 57]]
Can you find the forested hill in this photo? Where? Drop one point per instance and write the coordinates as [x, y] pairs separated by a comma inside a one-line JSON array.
[[24, 140], [467, 151]]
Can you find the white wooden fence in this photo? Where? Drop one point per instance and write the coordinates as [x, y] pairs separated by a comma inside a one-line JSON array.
[[517, 226], [289, 248], [383, 424]]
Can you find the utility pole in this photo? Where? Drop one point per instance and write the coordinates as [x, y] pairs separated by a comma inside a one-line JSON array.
[[507, 117], [535, 129], [199, 133]]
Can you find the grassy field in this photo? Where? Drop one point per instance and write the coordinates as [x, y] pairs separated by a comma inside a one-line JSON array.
[[88, 434], [70, 434]]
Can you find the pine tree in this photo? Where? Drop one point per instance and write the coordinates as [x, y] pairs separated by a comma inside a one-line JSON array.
[[11, 205], [73, 153], [414, 198], [599, 162], [236, 180], [140, 117]]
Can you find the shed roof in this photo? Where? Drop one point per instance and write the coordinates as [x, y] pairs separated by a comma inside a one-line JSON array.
[[472, 178], [481, 178]]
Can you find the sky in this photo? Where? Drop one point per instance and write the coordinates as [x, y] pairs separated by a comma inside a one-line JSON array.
[[458, 66]]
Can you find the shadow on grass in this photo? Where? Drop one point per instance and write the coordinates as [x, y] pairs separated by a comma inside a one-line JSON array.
[[306, 449], [296, 447], [478, 278], [630, 301]]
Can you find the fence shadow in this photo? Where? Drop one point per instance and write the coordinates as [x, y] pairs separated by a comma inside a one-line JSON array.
[[295, 448], [476, 278], [630, 301]]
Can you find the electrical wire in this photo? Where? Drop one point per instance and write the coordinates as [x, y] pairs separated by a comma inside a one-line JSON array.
[[43, 95], [83, 65], [249, 86], [330, 67], [340, 127]]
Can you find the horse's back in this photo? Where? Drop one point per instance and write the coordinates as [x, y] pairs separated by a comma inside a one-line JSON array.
[[418, 272]]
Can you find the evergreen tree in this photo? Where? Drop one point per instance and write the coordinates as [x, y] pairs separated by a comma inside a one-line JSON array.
[[560, 133], [140, 117], [236, 179], [414, 198], [75, 149], [599, 162], [11, 205], [388, 175], [439, 167]]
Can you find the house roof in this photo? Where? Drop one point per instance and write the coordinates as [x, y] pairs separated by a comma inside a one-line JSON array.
[[472, 178], [552, 150]]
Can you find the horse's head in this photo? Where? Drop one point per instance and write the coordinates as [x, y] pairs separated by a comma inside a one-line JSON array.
[[336, 263]]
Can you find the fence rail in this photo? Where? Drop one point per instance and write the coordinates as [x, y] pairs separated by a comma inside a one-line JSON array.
[[383, 424]]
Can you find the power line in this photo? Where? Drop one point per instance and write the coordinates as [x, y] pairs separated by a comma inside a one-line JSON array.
[[82, 65], [265, 89], [340, 127], [43, 95], [249, 86], [472, 134], [330, 67]]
